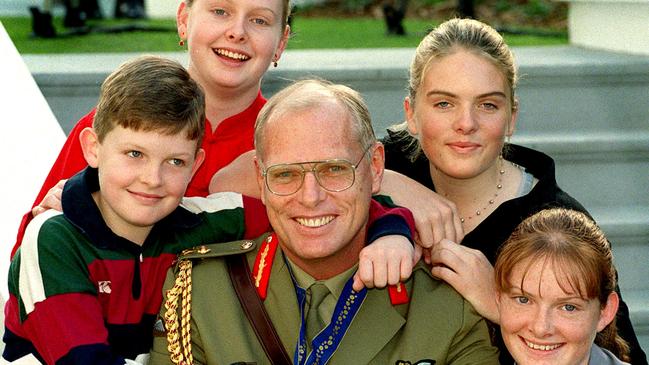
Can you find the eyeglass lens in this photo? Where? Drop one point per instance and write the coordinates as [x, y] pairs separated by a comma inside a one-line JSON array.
[[331, 175]]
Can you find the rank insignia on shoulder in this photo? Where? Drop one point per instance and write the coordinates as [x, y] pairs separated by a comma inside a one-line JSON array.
[[198, 250], [218, 250], [159, 329], [420, 362]]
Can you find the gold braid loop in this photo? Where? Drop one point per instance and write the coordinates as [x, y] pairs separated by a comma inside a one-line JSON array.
[[182, 288], [185, 323]]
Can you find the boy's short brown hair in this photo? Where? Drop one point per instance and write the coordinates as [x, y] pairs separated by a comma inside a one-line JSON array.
[[151, 93]]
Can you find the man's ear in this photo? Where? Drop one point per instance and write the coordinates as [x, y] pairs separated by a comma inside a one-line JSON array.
[[90, 146], [608, 311], [377, 165], [260, 179], [410, 116]]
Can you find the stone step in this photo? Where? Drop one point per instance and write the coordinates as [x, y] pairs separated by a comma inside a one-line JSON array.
[[627, 228], [638, 303], [598, 169]]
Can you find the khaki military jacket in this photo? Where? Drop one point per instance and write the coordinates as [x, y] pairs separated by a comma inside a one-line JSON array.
[[437, 326]]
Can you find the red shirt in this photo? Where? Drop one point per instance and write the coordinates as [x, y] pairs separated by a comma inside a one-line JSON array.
[[231, 138]]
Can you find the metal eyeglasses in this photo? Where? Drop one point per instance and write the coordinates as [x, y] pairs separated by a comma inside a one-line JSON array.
[[332, 175]]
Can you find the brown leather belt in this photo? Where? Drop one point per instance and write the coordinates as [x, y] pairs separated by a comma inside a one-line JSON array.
[[254, 308]]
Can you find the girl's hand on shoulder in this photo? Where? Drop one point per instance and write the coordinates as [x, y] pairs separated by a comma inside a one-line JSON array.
[[470, 273]]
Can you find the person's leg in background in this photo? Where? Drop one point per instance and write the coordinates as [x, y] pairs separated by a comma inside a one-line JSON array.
[[74, 17], [131, 9], [42, 20], [91, 9]]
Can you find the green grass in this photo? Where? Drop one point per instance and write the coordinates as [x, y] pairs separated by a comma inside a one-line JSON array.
[[370, 33], [19, 30], [310, 33]]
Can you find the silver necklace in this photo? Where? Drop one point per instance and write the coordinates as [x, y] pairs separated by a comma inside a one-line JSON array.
[[499, 187]]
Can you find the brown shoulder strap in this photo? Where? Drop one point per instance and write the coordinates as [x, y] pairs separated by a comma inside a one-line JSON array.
[[255, 311]]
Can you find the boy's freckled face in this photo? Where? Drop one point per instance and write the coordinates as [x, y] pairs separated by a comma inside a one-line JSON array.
[[142, 177]]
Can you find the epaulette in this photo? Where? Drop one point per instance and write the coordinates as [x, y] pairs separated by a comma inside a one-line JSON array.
[[178, 299], [218, 250]]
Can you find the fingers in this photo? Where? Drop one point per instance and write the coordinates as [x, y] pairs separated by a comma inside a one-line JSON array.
[[450, 254], [37, 210], [478, 287], [404, 272], [454, 224], [453, 227], [434, 225], [438, 222], [450, 262], [52, 200], [454, 255], [426, 254], [377, 268], [391, 271], [419, 251], [424, 231], [448, 275], [447, 224], [460, 266], [358, 284], [365, 274]]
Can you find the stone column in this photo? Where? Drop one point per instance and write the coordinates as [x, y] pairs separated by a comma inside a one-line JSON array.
[[161, 8], [614, 25]]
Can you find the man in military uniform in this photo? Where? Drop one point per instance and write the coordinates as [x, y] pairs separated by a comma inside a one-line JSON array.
[[318, 165]]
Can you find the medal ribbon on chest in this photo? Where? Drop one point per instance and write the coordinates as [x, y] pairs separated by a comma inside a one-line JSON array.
[[324, 345]]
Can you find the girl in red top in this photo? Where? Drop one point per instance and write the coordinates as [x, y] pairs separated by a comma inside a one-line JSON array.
[[231, 44]]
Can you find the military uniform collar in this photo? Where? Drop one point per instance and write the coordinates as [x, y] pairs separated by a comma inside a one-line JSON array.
[[334, 284]]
